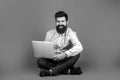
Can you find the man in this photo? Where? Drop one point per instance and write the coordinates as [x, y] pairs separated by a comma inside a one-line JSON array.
[[67, 48]]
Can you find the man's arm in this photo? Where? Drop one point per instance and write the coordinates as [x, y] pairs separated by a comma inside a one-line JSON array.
[[47, 37], [76, 49], [77, 46]]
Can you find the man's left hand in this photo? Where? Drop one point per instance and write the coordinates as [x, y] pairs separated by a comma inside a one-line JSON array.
[[60, 56]]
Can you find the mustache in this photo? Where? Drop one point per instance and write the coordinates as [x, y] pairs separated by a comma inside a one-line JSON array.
[[59, 26]]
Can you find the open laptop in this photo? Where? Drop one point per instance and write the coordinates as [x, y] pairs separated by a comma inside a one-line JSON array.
[[43, 49]]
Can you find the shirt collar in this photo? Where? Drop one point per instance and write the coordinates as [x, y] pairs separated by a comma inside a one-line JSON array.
[[62, 34]]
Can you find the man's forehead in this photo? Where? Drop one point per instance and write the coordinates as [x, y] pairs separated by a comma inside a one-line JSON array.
[[60, 18]]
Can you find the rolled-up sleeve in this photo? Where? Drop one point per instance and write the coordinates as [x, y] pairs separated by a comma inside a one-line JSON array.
[[77, 46]]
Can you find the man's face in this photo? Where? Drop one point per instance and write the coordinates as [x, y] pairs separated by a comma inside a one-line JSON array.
[[61, 25]]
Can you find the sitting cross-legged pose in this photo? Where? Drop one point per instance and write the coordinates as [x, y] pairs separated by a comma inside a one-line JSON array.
[[67, 49]]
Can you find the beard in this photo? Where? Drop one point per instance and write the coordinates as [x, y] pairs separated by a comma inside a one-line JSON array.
[[61, 29]]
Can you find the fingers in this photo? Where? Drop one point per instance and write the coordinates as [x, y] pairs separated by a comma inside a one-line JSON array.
[[56, 47], [55, 57], [59, 56], [57, 53]]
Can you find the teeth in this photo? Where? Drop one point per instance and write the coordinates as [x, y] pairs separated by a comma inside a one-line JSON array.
[[61, 27]]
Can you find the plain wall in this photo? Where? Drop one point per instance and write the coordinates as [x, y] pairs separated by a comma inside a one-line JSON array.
[[97, 23]]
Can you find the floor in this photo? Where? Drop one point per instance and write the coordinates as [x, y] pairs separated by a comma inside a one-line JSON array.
[[90, 75]]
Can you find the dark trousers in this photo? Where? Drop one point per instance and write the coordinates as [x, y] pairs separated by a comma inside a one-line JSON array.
[[57, 66]]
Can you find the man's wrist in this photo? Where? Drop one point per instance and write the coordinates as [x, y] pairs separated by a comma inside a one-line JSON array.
[[65, 55]]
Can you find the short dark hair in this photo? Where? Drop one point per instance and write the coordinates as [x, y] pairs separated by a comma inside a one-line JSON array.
[[61, 14]]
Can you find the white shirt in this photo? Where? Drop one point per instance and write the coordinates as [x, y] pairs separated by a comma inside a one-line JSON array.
[[62, 40]]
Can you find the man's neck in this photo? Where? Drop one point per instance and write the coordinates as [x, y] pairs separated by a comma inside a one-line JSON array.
[[62, 34]]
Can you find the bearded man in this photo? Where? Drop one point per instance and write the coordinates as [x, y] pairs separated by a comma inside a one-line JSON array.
[[67, 49]]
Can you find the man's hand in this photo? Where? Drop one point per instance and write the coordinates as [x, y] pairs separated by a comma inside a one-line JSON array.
[[60, 56]]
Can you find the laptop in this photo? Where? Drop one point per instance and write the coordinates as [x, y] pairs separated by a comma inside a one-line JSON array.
[[43, 49]]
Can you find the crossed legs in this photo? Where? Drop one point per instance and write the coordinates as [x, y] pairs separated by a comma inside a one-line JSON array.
[[59, 66]]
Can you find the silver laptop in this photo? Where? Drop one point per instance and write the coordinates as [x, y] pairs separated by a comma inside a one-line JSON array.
[[43, 49]]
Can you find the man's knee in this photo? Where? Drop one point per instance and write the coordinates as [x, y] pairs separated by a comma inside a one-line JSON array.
[[44, 63], [73, 59], [77, 56], [41, 62]]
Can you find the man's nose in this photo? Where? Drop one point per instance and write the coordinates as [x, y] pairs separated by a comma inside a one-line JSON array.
[[60, 23]]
